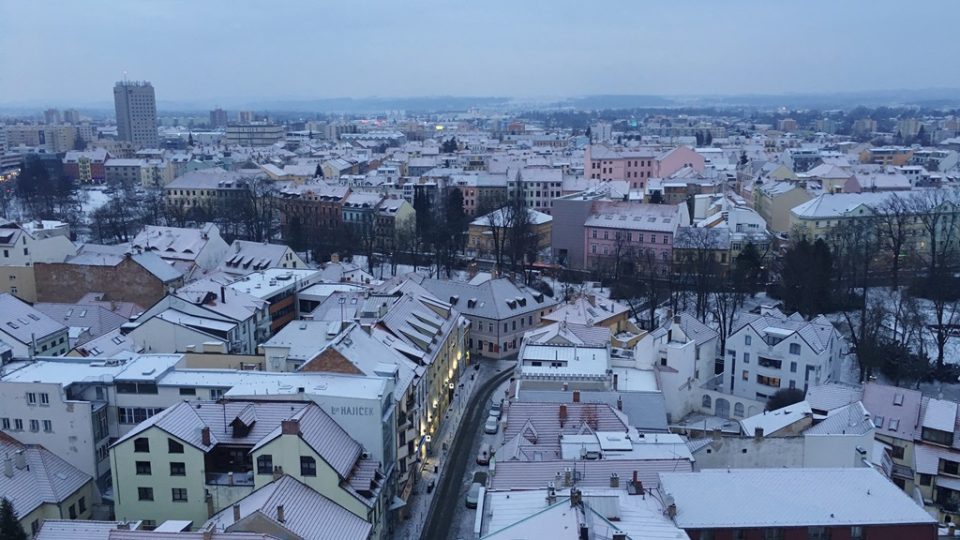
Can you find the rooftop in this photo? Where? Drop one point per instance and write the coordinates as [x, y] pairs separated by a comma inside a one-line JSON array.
[[788, 498]]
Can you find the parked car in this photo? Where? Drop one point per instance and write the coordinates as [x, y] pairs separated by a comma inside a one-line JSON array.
[[473, 495], [496, 409], [484, 455], [491, 426]]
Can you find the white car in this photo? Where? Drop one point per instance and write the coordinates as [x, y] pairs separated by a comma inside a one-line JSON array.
[[491, 426], [496, 409], [473, 495]]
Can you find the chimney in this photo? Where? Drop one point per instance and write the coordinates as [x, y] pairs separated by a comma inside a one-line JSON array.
[[280, 516], [20, 460], [563, 414], [592, 298], [230, 478], [619, 403], [584, 531], [334, 257], [619, 536], [614, 480], [952, 530], [758, 433], [223, 294], [567, 476], [205, 436], [208, 532], [236, 513], [576, 396], [8, 467], [290, 427], [277, 472]]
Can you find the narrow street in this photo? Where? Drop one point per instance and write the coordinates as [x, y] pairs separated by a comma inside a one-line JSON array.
[[440, 519]]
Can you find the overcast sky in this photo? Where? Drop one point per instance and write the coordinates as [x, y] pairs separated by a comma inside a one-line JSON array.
[[68, 52]]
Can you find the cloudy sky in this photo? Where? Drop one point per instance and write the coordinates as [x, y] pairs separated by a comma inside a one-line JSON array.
[[66, 51]]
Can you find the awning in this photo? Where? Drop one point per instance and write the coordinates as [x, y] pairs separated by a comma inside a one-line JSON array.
[[397, 503]]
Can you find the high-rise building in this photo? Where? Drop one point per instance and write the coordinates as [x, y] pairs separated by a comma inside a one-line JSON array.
[[218, 118], [71, 116], [246, 117], [136, 107], [51, 116]]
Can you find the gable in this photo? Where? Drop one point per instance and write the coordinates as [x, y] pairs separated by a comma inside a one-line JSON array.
[[332, 361]]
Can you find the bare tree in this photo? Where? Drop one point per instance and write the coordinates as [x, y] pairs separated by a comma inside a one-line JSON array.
[[893, 219], [697, 249]]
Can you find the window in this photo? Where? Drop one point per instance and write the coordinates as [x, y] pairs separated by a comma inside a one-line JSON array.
[[265, 464], [17, 424], [706, 401], [178, 468], [794, 348], [31, 398], [145, 493], [73, 511], [768, 381], [179, 494], [82, 504], [141, 444], [45, 397], [746, 358], [818, 533], [793, 367], [897, 452], [949, 467], [856, 532], [188, 391], [5, 424], [47, 426], [35, 524], [308, 466], [34, 425], [878, 422], [772, 533], [738, 409], [174, 447], [143, 468], [746, 375], [747, 340], [925, 479]]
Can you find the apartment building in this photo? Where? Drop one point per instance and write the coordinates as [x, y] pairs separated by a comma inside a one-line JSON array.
[[40, 485], [206, 189], [481, 231], [311, 209], [770, 351], [86, 167], [197, 458], [30, 332], [638, 166], [136, 108], [21, 250], [253, 134], [537, 186], [499, 311], [615, 230]]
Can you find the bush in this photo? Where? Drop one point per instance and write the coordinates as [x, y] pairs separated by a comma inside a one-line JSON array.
[[784, 397]]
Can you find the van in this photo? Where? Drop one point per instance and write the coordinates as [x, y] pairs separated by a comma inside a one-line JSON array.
[[483, 456]]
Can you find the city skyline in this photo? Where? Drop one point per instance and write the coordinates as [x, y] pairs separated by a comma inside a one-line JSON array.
[[435, 49]]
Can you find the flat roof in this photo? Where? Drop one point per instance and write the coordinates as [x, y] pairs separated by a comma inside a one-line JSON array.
[[267, 283], [940, 414], [636, 380], [251, 384], [780, 497], [70, 370]]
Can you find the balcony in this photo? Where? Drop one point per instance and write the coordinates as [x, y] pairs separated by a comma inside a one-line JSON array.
[[229, 479]]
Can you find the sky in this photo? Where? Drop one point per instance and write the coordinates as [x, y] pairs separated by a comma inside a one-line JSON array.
[[68, 52]]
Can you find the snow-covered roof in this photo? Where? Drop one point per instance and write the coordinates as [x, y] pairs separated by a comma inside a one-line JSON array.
[[773, 421], [788, 498]]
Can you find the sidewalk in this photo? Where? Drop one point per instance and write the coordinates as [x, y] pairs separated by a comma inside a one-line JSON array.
[[420, 500]]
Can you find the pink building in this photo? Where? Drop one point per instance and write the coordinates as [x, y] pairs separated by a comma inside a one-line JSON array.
[[637, 166], [621, 228]]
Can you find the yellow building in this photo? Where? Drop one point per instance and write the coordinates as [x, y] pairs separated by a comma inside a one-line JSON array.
[[41, 485], [487, 231]]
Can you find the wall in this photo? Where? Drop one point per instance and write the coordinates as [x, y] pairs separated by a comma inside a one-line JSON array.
[[837, 450], [127, 505], [751, 453], [62, 510], [870, 532], [126, 282], [72, 436], [19, 281]]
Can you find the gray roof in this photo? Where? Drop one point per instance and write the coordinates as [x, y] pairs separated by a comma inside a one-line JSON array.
[[160, 268], [97, 319], [645, 411], [308, 514], [896, 411], [490, 297], [779, 497], [326, 437], [833, 395], [817, 333], [852, 419], [47, 478], [689, 325], [70, 529], [23, 323]]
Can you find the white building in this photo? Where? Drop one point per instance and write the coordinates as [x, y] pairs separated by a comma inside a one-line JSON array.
[[771, 351], [30, 332]]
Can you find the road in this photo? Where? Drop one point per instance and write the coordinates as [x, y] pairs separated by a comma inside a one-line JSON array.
[[439, 523]]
